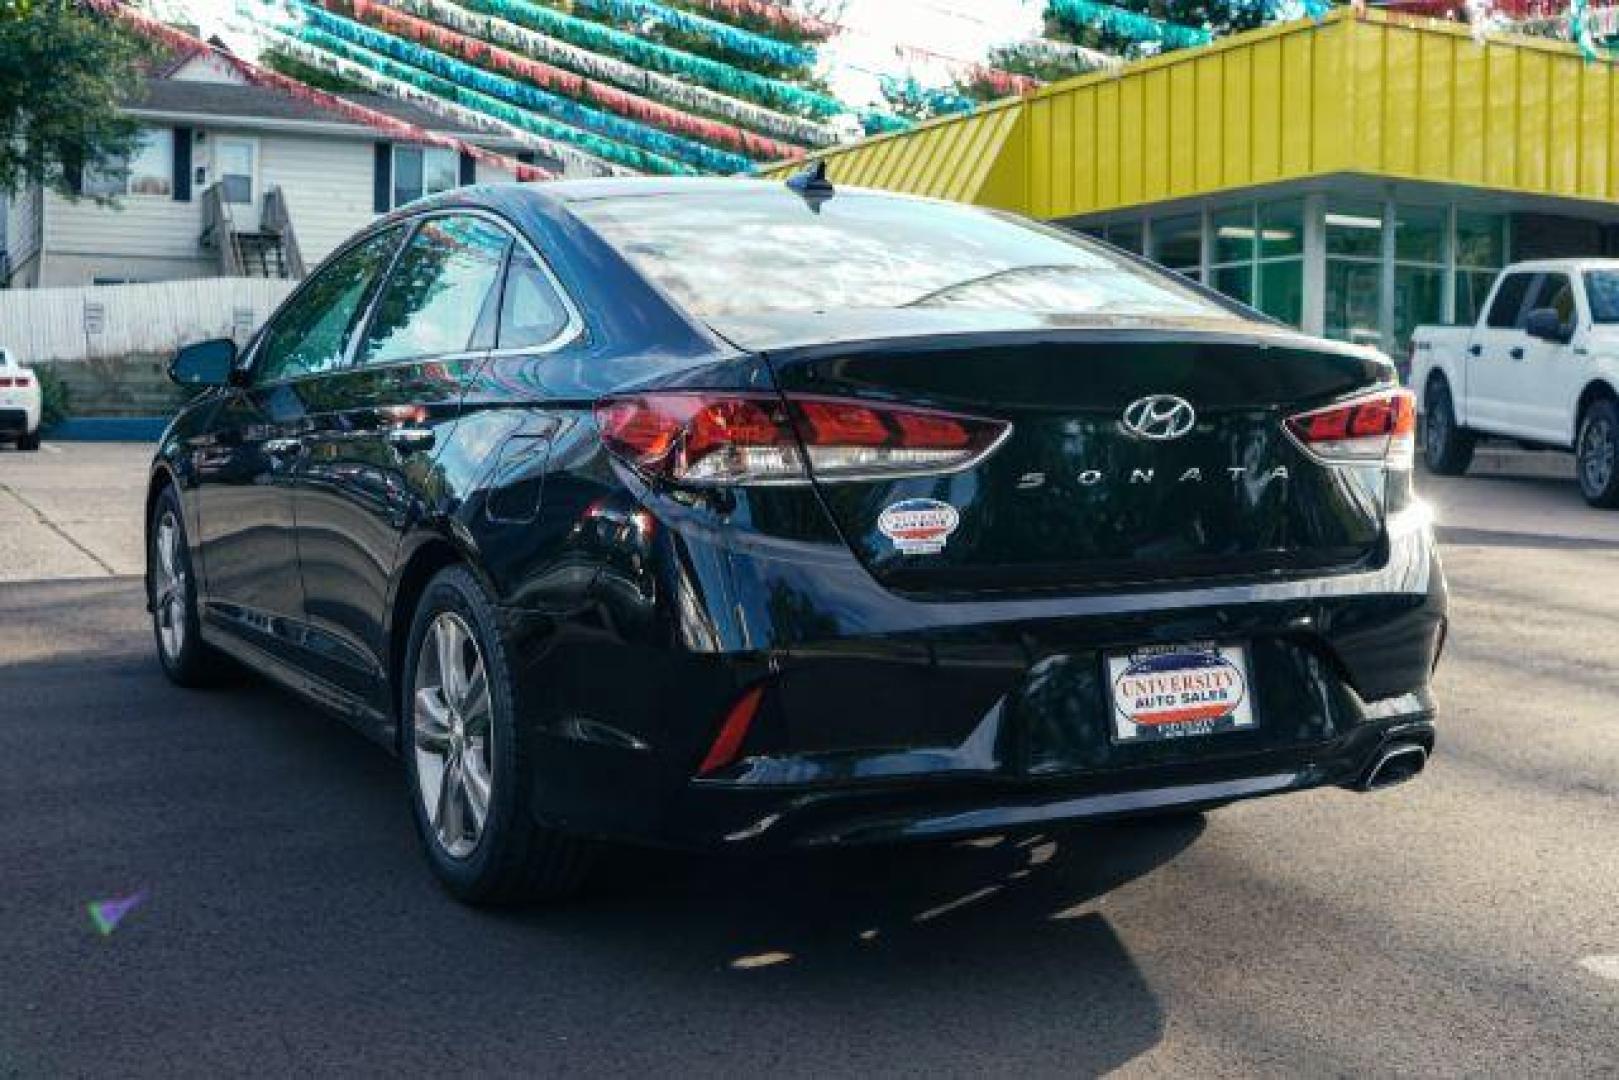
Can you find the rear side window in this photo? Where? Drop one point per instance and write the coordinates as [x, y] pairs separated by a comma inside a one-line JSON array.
[[1602, 293], [310, 335], [1508, 302], [531, 313], [1556, 291], [737, 253], [439, 292]]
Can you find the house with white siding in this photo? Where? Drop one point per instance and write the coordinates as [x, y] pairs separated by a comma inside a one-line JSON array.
[[232, 179]]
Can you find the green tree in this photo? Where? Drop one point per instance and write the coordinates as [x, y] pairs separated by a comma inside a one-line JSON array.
[[63, 75]]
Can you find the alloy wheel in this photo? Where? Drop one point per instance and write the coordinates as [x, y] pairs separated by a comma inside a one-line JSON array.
[[453, 734], [1598, 450], [169, 587]]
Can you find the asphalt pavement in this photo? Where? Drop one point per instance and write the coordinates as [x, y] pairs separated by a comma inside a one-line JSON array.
[[1465, 924]]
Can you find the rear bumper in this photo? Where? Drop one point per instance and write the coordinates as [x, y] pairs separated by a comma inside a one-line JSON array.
[[884, 719], [18, 421], [943, 807]]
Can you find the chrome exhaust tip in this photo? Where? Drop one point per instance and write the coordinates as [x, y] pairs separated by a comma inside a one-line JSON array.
[[1395, 764]]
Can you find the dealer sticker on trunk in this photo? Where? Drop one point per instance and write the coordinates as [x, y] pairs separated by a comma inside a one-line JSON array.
[[918, 526], [1168, 692]]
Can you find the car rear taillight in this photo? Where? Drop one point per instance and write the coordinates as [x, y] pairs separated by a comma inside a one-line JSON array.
[[712, 438], [1377, 427], [25, 379]]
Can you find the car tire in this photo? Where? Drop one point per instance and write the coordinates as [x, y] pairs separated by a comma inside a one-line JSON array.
[[28, 441], [1447, 447], [1596, 454], [172, 591], [461, 745]]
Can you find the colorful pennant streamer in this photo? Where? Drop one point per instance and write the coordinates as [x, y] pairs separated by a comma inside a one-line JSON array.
[[733, 39], [184, 43], [1129, 24], [935, 100], [560, 108], [776, 14], [546, 77], [715, 74], [1066, 52], [745, 114], [577, 160], [632, 157]]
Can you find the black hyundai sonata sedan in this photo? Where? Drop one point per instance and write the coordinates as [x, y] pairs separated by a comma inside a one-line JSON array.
[[736, 514]]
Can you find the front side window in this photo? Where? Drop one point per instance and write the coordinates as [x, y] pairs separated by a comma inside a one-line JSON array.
[[743, 253], [1508, 302], [1556, 292], [442, 289], [149, 170], [420, 171], [311, 333]]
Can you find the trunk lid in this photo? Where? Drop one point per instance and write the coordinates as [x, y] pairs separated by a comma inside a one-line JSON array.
[[1073, 498]]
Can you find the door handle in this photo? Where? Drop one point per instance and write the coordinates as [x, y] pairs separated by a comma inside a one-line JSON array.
[[1517, 352], [1475, 350], [410, 440], [283, 448]]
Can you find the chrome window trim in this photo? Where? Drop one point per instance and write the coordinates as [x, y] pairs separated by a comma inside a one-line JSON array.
[[569, 333], [565, 336]]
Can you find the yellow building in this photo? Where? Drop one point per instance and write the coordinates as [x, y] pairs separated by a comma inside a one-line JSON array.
[[1354, 177]]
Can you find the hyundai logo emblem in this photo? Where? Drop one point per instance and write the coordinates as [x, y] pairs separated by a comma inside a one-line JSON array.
[[1159, 417]]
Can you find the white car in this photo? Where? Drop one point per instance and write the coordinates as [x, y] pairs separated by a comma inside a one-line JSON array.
[[1541, 367], [19, 403]]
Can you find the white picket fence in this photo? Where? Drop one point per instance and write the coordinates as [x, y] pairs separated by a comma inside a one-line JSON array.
[[106, 322]]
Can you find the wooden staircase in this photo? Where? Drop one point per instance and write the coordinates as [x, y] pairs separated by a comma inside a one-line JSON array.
[[270, 252]]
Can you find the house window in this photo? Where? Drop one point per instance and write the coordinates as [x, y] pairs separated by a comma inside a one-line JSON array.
[[423, 170], [149, 170]]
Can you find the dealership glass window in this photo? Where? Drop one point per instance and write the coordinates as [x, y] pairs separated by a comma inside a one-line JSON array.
[[1280, 243], [1177, 242], [1355, 229], [1235, 281], [1354, 300], [1419, 269], [149, 170], [1481, 251], [1233, 235], [1419, 297], [1125, 234], [1232, 252], [423, 170], [1419, 234], [1281, 289]]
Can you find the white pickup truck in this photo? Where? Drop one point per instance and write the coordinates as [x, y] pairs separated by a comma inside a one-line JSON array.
[[1540, 367]]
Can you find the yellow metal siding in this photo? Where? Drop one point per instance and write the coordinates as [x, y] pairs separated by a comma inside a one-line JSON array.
[[1374, 96]]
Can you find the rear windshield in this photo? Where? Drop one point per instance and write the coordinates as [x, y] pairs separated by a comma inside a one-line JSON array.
[[729, 253]]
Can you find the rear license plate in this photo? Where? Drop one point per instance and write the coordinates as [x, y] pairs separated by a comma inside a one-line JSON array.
[[1175, 691]]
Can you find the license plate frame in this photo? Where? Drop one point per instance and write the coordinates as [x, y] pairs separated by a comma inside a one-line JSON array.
[[1197, 689]]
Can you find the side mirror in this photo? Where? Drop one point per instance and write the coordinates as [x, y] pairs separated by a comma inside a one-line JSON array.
[[207, 363], [1544, 323]]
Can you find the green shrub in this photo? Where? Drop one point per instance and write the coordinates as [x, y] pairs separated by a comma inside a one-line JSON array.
[[55, 401]]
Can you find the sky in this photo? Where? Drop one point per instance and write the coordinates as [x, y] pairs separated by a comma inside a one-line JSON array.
[[960, 29]]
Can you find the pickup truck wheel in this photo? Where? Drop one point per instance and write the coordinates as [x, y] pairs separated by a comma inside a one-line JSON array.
[[1447, 447], [1597, 454]]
